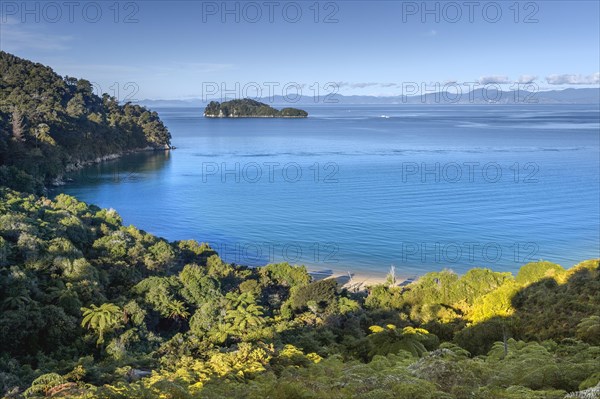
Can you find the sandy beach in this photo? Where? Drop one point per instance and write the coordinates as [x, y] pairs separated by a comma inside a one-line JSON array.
[[356, 281]]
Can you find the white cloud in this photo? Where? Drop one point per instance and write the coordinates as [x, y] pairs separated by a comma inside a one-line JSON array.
[[431, 33], [568, 79], [494, 79], [363, 85], [357, 85], [525, 79]]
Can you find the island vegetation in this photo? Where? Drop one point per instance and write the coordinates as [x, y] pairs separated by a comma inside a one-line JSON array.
[[50, 124], [248, 108], [92, 308]]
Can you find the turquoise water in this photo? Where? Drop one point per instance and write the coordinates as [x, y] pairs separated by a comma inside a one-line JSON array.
[[359, 188]]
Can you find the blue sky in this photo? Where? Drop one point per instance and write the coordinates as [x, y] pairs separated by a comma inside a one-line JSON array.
[[178, 49]]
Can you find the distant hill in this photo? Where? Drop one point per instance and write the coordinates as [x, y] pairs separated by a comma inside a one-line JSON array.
[[49, 124], [566, 96], [491, 96], [248, 108]]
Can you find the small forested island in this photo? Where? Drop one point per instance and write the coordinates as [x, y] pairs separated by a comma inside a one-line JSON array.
[[248, 108], [92, 308]]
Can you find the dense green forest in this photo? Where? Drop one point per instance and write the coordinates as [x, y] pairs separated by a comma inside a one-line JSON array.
[[49, 124], [91, 308], [248, 108]]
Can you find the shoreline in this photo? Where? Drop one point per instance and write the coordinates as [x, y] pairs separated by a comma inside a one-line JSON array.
[[75, 166], [357, 281], [254, 117]]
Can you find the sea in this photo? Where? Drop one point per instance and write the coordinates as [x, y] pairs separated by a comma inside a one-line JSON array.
[[362, 188]]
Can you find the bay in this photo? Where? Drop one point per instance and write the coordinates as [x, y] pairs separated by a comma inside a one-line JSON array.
[[359, 188]]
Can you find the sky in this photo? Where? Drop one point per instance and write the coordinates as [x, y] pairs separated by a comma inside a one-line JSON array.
[[202, 49]]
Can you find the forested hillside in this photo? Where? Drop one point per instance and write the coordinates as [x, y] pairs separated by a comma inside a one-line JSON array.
[[48, 123], [91, 308]]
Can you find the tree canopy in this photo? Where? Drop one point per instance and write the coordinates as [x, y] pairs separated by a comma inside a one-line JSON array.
[[248, 108], [92, 308], [49, 124]]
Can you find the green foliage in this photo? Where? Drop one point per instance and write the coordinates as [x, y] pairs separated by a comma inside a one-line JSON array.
[[197, 287], [535, 271], [384, 377], [479, 338], [245, 313], [194, 252], [49, 124], [167, 319], [44, 384], [317, 296], [247, 108], [588, 330], [497, 303], [542, 366], [590, 382], [101, 319], [390, 339], [292, 113], [552, 310], [160, 256], [285, 274]]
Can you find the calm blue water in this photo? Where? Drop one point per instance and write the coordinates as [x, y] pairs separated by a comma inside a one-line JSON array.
[[363, 187]]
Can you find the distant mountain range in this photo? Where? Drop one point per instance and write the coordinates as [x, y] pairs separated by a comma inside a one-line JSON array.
[[479, 96]]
